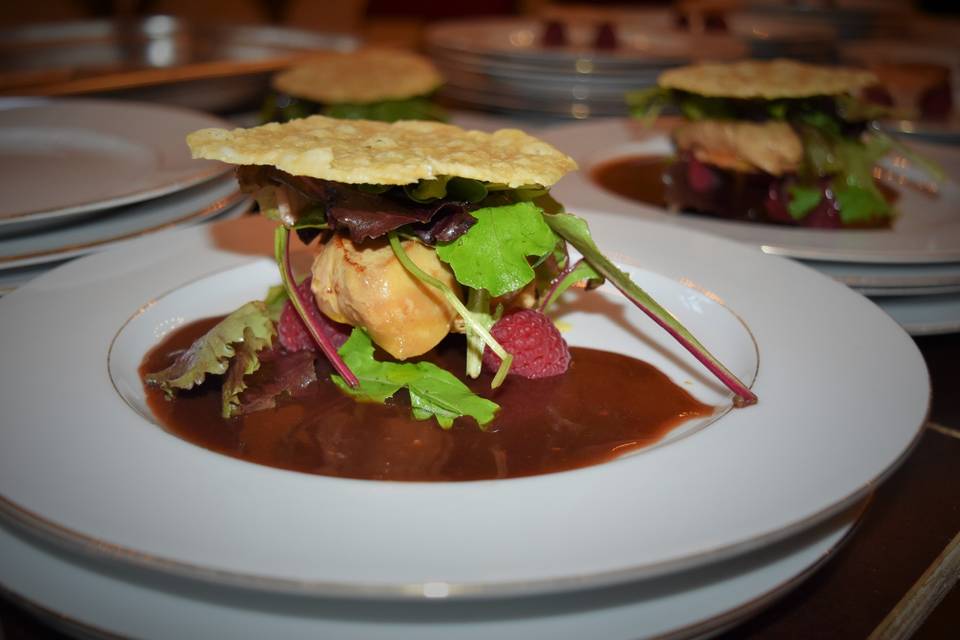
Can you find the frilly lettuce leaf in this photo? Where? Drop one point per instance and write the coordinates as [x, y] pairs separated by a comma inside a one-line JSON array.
[[492, 255], [434, 392], [231, 345]]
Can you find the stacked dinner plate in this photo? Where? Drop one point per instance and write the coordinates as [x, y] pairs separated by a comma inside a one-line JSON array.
[[80, 175], [911, 271], [574, 68], [113, 526]]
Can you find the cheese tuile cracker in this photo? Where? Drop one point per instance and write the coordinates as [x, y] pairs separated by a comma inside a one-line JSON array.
[[769, 80], [368, 152], [360, 77]]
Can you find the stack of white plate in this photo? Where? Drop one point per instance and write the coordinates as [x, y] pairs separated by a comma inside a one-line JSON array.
[[81, 175], [911, 271], [113, 526], [505, 63]]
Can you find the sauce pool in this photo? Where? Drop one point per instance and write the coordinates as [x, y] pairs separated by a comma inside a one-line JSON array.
[[606, 404]]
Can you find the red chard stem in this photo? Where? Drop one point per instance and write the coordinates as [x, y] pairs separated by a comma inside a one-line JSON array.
[[282, 255]]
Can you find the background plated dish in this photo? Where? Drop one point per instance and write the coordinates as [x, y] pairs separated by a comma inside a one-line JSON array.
[[742, 483], [65, 158], [926, 231]]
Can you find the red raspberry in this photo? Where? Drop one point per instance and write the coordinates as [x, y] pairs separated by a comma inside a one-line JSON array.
[[293, 333], [538, 349]]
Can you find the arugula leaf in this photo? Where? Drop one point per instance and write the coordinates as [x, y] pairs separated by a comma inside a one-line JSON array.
[[492, 255], [242, 333], [433, 391], [803, 200], [575, 231], [857, 204], [474, 324], [577, 273], [646, 104]]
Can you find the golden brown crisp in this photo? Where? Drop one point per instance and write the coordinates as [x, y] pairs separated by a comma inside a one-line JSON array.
[[359, 77], [772, 147], [766, 79], [368, 152]]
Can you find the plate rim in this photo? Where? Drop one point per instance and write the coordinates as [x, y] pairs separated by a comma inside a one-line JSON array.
[[501, 587], [186, 179]]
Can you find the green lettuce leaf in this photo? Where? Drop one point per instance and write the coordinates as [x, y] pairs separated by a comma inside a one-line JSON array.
[[244, 332], [416, 108], [803, 200], [433, 391], [647, 104], [492, 255], [276, 298], [857, 204]]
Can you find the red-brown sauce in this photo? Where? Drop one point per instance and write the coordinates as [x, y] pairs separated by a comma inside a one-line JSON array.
[[662, 182], [639, 178], [606, 404]]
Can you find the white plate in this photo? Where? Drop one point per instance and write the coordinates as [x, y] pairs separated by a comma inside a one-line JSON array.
[[93, 233], [924, 315], [84, 467], [65, 157], [880, 292], [928, 229], [900, 276], [521, 38], [90, 599]]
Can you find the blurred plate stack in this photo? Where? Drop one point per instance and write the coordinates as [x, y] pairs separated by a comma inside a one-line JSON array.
[[82, 175], [211, 67], [569, 68], [910, 270]]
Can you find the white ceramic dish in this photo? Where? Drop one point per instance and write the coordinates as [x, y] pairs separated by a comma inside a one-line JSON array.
[[900, 276], [521, 39], [93, 233], [879, 292], [923, 314], [743, 482], [93, 599], [66, 157], [927, 231]]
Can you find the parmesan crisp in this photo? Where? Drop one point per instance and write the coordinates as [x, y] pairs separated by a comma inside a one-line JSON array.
[[766, 79], [360, 77], [369, 152]]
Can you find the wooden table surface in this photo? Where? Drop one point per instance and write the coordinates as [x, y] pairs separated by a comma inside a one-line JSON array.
[[911, 519]]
